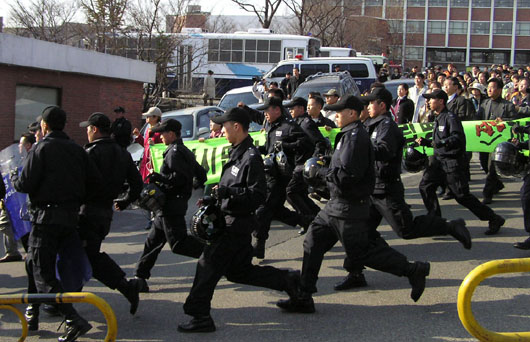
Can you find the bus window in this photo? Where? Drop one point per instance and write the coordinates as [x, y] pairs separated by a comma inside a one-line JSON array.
[[355, 70], [282, 70], [311, 69]]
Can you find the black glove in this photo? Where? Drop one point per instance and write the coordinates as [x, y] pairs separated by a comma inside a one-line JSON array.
[[121, 204], [425, 142], [156, 178], [222, 192], [197, 184], [278, 146], [441, 143], [13, 175], [518, 129]]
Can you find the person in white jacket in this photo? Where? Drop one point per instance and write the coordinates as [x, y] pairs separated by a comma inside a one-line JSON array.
[[208, 88], [415, 94]]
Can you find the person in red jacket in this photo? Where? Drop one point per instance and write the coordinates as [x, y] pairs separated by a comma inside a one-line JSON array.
[[153, 117]]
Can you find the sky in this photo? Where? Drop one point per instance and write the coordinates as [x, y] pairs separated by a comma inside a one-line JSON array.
[[225, 7]]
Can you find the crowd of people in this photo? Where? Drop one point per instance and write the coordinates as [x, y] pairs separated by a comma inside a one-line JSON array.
[[359, 175]]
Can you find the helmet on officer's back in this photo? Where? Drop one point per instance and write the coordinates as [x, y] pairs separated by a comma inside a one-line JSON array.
[[508, 160], [414, 161]]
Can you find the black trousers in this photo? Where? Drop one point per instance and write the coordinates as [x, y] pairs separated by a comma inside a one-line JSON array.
[[455, 178], [171, 229], [493, 182], [354, 234], [93, 230], [230, 256], [484, 161], [297, 196], [525, 201], [44, 243], [274, 209]]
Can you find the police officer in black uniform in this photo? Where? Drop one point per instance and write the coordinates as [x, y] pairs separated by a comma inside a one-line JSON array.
[[297, 194], [282, 134], [388, 199], [449, 142], [116, 167], [525, 188], [350, 179], [57, 176], [314, 109], [176, 181], [240, 191]]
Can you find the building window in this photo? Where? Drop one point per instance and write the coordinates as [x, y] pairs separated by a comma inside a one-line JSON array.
[[523, 29], [414, 53], [458, 27], [480, 27], [459, 3], [438, 3], [374, 3], [415, 26], [481, 3], [502, 28], [31, 100], [394, 52], [395, 26], [416, 3], [394, 3], [522, 57], [504, 3], [446, 56], [523, 3], [436, 27], [489, 56]]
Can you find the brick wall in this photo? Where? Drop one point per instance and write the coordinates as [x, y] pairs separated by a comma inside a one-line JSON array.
[[81, 95]]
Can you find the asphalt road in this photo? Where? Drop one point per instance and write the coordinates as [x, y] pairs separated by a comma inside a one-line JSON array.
[[381, 312]]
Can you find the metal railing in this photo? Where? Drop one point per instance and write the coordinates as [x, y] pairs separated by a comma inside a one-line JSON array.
[[467, 288], [7, 302]]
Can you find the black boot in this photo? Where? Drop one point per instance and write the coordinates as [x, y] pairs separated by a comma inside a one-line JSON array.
[[32, 316], [525, 245], [457, 229], [495, 225], [417, 273], [303, 304], [75, 327], [259, 249], [198, 324], [130, 289], [292, 283], [143, 287], [51, 309], [352, 280]]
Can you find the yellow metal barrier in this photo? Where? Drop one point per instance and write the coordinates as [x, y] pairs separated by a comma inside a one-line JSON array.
[[6, 302], [473, 279]]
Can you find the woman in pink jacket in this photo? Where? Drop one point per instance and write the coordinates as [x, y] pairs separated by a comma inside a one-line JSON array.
[[153, 117]]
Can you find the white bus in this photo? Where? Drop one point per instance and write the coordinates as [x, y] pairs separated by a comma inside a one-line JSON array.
[[328, 51], [237, 58]]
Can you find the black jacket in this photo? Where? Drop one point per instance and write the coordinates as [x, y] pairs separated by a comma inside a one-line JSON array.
[[322, 121], [293, 84], [177, 171], [461, 108], [405, 110], [499, 108], [242, 186], [310, 128], [116, 167], [350, 177], [449, 140], [295, 142], [387, 141], [58, 176]]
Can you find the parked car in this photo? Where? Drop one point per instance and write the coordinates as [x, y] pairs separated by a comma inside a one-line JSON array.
[[322, 82], [392, 85], [232, 97]]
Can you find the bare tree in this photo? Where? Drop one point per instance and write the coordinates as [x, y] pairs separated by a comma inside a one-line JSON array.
[[220, 23], [264, 13], [44, 19]]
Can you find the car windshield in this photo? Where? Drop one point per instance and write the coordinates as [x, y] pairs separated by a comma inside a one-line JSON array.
[[304, 90], [187, 124], [231, 100]]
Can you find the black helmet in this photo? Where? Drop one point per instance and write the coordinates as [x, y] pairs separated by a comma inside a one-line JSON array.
[[284, 167], [508, 160], [313, 177], [269, 164], [152, 198], [208, 223], [414, 161]]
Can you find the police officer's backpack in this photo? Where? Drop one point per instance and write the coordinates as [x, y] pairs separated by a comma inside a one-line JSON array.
[[121, 131]]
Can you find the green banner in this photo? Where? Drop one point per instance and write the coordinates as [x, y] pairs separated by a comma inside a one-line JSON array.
[[212, 154]]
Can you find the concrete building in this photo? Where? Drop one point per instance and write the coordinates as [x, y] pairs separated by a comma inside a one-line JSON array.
[[37, 74], [463, 32]]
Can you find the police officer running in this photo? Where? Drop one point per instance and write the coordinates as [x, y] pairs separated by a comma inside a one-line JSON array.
[[388, 198], [240, 191], [350, 179], [525, 188], [282, 134], [176, 181], [297, 194], [116, 167], [57, 176], [449, 142]]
